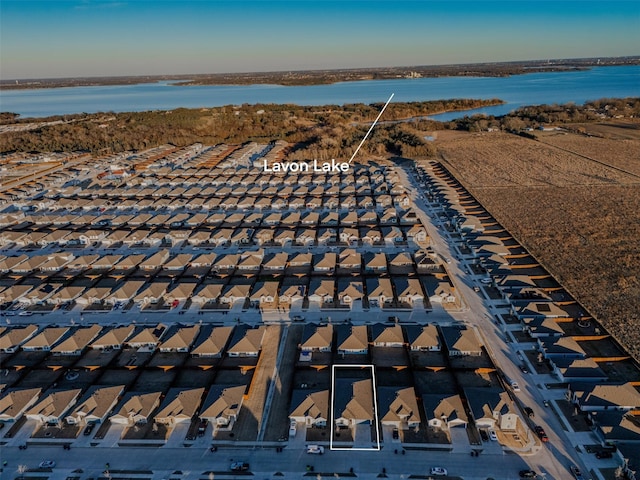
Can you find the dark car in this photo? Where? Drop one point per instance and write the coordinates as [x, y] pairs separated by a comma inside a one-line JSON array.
[[239, 467], [604, 454], [524, 369], [484, 435], [576, 472], [528, 474], [395, 434], [541, 433], [88, 429], [529, 412]]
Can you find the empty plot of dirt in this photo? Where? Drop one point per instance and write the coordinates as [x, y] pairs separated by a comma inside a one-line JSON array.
[[580, 219], [504, 160]]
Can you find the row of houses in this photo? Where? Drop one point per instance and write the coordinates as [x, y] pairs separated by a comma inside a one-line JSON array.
[[239, 341], [560, 327]]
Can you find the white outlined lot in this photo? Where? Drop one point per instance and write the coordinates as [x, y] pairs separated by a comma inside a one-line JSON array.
[[375, 408]]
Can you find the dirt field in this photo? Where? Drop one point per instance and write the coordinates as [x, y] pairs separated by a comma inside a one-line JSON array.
[[580, 217]]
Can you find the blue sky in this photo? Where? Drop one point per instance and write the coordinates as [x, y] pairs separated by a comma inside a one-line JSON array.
[[42, 39]]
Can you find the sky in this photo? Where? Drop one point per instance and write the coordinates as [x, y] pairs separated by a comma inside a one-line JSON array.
[[51, 38]]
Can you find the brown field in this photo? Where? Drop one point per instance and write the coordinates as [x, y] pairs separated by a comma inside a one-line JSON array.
[[579, 217]]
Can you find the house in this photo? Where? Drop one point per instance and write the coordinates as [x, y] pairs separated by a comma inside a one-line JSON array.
[[321, 292], [310, 408], [461, 341], [44, 340], [180, 340], [317, 338], [352, 339], [350, 293], [246, 341], [275, 263], [423, 338], [265, 295], [616, 426], [209, 293], [214, 344], [77, 342], [291, 293], [590, 397], [13, 337], [539, 310], [14, 403], [402, 263], [152, 293], [222, 406], [375, 262], [113, 338], [350, 261], [96, 404], [577, 370], [180, 292], [136, 408], [379, 292], [560, 347], [93, 296], [156, 260], [52, 407], [488, 405], [398, 407], [147, 338], [235, 294], [325, 263], [542, 327], [353, 402], [409, 292], [387, 335], [444, 411], [179, 406]]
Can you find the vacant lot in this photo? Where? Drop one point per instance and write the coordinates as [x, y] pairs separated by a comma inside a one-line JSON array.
[[579, 217]]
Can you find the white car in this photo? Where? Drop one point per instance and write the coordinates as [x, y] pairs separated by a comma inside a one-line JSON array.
[[25, 313], [47, 464], [486, 281], [438, 471], [315, 449], [493, 436], [515, 386]]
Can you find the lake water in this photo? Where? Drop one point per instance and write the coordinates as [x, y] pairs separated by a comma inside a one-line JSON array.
[[518, 90]]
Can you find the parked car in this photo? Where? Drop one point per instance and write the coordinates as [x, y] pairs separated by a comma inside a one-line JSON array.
[[528, 474], [202, 427], [515, 386], [47, 464], [25, 313], [437, 471], [576, 472], [315, 449], [239, 467], [395, 434], [486, 281], [529, 412], [524, 369], [484, 435], [493, 436], [298, 318], [604, 454], [541, 433], [546, 403], [89, 428]]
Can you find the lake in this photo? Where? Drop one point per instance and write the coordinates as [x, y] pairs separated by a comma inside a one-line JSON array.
[[516, 91]]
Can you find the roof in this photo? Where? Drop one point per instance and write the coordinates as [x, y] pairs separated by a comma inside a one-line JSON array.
[[609, 395], [148, 335], [13, 337], [484, 401], [115, 336], [248, 340], [214, 343], [314, 404], [461, 339], [422, 336], [353, 399], [46, 338], [352, 337], [398, 404], [15, 401], [78, 340], [182, 338], [55, 404], [381, 333], [139, 404], [98, 401], [317, 336], [179, 403], [222, 401], [442, 407]]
